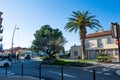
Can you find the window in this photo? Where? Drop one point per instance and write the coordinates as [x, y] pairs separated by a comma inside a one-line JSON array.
[[1, 46], [109, 40], [116, 52], [99, 43], [75, 53], [109, 51], [1, 37]]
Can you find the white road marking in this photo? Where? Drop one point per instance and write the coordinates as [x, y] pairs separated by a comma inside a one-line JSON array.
[[90, 70], [108, 74], [63, 74], [98, 72], [85, 69], [105, 69]]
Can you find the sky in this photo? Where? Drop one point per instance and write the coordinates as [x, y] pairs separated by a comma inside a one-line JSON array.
[[30, 15]]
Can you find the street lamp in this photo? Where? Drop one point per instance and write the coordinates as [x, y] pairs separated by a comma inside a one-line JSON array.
[[15, 28]]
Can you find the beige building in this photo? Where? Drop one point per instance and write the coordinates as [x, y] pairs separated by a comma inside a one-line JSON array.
[[101, 41], [75, 52]]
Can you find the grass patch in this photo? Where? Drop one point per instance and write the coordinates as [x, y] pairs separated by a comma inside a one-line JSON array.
[[61, 62], [87, 61], [79, 60], [79, 63]]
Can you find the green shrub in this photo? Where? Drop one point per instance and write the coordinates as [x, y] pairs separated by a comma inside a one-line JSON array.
[[103, 58], [46, 58]]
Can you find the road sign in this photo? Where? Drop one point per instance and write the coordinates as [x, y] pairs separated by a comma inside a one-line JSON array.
[[116, 41], [114, 30]]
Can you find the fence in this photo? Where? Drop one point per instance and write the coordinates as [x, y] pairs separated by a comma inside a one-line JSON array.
[[41, 71]]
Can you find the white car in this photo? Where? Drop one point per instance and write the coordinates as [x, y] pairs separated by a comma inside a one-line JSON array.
[[4, 63]]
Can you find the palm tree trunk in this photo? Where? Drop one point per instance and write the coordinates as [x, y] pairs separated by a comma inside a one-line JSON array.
[[83, 49], [82, 33]]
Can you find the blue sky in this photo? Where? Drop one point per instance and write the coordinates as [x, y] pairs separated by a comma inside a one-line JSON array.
[[30, 15]]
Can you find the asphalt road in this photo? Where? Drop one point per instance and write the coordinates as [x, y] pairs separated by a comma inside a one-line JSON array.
[[31, 68]]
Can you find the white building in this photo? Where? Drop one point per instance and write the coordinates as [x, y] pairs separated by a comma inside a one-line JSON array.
[[101, 41]]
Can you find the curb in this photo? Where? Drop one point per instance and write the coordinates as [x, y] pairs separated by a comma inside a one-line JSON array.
[[118, 72], [69, 66]]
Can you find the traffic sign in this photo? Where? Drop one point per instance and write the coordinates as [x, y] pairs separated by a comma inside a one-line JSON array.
[[116, 41]]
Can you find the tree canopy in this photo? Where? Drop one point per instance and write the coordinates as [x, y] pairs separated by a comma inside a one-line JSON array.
[[48, 40]]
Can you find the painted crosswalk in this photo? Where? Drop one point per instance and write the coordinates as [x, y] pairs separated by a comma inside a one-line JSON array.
[[59, 73], [104, 71]]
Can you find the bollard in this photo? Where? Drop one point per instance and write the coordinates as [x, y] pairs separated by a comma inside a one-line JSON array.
[[6, 68], [94, 75], [22, 70], [61, 72], [40, 71], [6, 71]]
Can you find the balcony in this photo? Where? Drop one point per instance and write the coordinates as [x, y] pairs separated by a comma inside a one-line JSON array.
[[1, 47], [1, 21], [1, 38], [1, 29]]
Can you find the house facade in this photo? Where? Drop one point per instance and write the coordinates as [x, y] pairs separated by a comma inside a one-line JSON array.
[[101, 42], [75, 52]]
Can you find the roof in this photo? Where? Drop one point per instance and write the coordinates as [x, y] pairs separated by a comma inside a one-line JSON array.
[[98, 34]]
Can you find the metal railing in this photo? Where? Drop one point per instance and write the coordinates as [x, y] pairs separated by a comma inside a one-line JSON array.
[[62, 68]]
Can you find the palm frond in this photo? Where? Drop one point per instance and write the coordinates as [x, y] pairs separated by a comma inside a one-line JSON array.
[[86, 13], [82, 19], [90, 17], [71, 26], [95, 20], [72, 19]]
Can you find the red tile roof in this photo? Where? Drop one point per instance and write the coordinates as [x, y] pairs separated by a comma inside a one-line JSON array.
[[98, 34]]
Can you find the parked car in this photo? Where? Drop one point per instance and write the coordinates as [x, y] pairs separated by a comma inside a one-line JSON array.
[[28, 56], [4, 63]]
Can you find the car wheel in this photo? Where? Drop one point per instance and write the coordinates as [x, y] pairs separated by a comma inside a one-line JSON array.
[[6, 65]]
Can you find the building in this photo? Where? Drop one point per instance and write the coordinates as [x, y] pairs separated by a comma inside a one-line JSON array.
[[15, 50], [101, 42], [1, 31], [75, 52]]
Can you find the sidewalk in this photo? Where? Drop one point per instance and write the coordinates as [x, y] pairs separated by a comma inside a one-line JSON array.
[[18, 78]]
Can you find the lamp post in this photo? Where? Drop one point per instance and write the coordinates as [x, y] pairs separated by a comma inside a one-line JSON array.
[[15, 28]]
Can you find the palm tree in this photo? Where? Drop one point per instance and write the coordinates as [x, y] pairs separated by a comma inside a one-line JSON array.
[[79, 22]]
